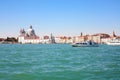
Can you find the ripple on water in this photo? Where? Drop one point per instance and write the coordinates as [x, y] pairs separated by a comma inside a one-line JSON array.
[[58, 62]]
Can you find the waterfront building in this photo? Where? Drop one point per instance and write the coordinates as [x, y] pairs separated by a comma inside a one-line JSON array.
[[63, 39], [47, 39], [105, 40], [58, 40], [113, 38], [28, 37], [106, 37], [101, 37], [2, 39], [79, 39], [94, 38]]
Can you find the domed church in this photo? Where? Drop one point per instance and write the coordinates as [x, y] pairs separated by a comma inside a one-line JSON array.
[[28, 37]]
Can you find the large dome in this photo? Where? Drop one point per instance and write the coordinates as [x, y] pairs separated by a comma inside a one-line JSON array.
[[31, 31]]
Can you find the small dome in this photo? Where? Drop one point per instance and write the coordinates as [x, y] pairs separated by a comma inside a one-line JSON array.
[[22, 31]]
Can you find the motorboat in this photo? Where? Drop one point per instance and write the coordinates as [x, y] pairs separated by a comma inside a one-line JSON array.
[[85, 44]]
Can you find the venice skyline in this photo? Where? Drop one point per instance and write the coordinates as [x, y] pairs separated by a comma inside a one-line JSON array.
[[61, 17]]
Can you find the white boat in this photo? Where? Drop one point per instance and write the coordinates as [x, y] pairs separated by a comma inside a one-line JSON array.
[[85, 44], [113, 42]]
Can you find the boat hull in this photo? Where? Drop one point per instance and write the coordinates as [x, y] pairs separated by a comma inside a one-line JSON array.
[[84, 45]]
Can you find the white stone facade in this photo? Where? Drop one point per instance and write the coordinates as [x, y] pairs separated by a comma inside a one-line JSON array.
[[28, 37]]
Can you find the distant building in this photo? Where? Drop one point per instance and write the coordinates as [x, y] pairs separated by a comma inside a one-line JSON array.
[[46, 37], [45, 40], [101, 37], [79, 39], [94, 38], [63, 39], [28, 37], [2, 39], [105, 37]]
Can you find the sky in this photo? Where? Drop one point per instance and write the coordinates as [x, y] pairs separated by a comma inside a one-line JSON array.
[[59, 17]]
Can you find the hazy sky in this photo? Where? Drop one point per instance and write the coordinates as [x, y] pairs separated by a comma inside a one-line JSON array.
[[60, 17]]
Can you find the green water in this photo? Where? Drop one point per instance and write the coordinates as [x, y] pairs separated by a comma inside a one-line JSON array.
[[59, 62]]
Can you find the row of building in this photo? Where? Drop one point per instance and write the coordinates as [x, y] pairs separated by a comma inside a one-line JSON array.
[[29, 37]]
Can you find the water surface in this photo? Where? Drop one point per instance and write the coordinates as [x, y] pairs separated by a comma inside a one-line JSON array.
[[59, 62]]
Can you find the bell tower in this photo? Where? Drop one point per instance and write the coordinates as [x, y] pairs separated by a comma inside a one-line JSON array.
[[113, 34]]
